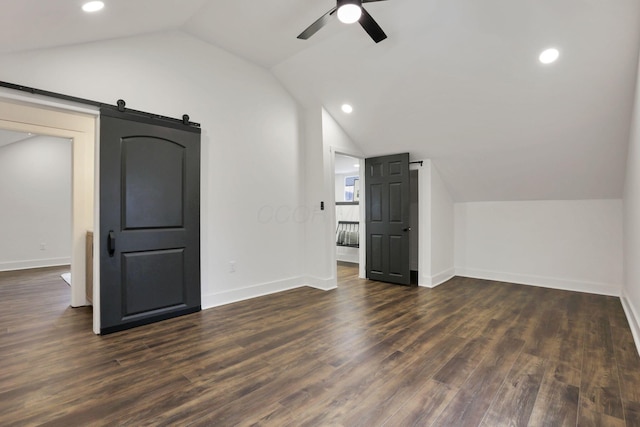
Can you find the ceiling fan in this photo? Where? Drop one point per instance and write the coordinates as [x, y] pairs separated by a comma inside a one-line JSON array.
[[349, 11]]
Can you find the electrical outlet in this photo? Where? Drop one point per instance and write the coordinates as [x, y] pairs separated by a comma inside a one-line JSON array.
[[232, 266], [43, 246]]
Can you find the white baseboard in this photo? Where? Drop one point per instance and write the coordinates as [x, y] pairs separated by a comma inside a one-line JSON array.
[[354, 259], [262, 289], [235, 295], [322, 284], [437, 279], [35, 263], [544, 282], [632, 318]]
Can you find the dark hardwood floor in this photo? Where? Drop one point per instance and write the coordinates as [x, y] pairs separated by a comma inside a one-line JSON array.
[[468, 353]]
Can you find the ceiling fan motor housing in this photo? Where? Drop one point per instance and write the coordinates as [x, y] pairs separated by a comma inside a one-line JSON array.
[[345, 2], [352, 11]]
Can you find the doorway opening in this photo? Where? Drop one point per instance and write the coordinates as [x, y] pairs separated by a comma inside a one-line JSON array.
[[350, 213], [388, 218], [37, 115], [347, 209]]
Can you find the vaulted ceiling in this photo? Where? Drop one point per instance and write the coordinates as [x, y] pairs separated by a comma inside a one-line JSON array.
[[8, 137], [455, 81]]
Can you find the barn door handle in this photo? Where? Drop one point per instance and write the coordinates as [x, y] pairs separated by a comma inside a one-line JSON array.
[[111, 243]]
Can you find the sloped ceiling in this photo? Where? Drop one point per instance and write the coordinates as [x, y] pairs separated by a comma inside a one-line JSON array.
[[456, 81], [9, 137]]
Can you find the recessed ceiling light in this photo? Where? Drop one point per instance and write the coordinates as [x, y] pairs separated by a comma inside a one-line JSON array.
[[548, 56], [347, 108], [93, 6]]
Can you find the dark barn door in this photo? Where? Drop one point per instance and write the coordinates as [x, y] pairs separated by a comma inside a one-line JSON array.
[[387, 218], [149, 220]]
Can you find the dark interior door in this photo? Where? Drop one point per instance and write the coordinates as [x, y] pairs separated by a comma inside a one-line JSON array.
[[149, 220], [387, 218]]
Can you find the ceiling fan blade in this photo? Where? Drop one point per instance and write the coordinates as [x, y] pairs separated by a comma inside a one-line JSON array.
[[370, 1], [321, 22], [371, 27]]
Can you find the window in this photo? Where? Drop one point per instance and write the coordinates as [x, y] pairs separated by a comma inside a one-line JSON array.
[[352, 189]]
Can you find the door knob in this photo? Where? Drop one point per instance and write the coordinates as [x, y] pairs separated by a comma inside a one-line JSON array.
[[407, 229]]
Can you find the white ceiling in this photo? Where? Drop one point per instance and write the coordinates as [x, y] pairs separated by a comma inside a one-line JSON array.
[[345, 164], [456, 81]]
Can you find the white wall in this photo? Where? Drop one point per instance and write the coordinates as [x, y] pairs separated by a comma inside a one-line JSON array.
[[252, 185], [319, 241], [442, 230], [436, 240], [35, 200], [347, 213], [631, 288], [574, 245], [324, 138], [335, 138]]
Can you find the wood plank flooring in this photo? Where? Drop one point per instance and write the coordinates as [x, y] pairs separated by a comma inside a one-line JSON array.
[[468, 353]]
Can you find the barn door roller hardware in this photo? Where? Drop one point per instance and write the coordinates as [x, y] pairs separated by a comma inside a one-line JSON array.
[[120, 107]]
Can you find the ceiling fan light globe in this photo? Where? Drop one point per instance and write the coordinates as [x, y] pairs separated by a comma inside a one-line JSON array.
[[349, 13]]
